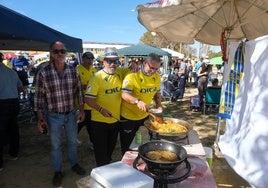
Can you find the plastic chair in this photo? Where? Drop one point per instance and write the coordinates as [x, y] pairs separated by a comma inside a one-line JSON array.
[[212, 97]]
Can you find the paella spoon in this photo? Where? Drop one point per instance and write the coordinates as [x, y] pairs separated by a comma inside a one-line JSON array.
[[156, 118]]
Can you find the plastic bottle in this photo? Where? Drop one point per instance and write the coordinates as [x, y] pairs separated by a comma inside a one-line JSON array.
[[138, 137]]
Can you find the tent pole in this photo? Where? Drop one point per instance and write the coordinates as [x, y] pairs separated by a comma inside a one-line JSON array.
[[216, 146]]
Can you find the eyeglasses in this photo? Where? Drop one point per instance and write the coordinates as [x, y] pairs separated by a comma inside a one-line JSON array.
[[115, 61], [62, 51], [152, 68]]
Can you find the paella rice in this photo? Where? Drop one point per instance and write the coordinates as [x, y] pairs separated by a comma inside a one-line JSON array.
[[167, 127]]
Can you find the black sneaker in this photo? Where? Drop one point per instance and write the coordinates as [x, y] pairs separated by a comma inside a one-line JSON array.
[[57, 179], [78, 169]]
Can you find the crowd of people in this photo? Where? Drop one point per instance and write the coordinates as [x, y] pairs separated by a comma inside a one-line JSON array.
[[185, 71], [111, 102], [69, 97]]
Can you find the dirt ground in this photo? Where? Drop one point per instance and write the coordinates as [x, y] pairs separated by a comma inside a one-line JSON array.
[[34, 166]]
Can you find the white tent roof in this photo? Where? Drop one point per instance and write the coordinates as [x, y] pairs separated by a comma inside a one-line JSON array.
[[173, 53]]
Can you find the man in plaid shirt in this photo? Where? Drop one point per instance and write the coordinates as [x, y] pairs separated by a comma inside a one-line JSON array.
[[57, 87]]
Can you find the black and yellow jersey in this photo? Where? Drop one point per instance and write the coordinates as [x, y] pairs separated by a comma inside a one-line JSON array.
[[142, 87]]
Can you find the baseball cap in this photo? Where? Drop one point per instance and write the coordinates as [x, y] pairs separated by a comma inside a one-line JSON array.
[[88, 55]]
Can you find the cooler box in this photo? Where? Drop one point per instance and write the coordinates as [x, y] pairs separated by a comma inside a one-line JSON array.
[[119, 175]]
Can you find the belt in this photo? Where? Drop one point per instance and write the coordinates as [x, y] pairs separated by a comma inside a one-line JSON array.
[[63, 113]]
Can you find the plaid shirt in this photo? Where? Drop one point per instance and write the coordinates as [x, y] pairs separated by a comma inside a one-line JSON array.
[[57, 92]]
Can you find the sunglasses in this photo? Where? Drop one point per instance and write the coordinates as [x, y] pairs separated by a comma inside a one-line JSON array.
[[115, 61], [62, 51]]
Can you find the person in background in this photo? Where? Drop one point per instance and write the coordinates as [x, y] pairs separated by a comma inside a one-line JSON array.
[[203, 73], [57, 87], [86, 70], [215, 82], [10, 86], [103, 94], [197, 66], [138, 90], [173, 84], [7, 63], [73, 61], [20, 64], [189, 72], [182, 76], [131, 68]]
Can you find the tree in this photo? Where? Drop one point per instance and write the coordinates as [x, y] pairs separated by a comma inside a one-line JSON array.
[[153, 39], [159, 41], [213, 54], [190, 51]]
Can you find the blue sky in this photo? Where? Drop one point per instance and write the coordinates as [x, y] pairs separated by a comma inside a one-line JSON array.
[[90, 20]]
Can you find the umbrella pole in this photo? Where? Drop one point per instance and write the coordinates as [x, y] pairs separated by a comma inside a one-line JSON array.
[[216, 146]]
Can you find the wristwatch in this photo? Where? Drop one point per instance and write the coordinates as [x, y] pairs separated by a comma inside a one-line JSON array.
[[137, 101]]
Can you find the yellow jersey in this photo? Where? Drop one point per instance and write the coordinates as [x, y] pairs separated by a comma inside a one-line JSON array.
[[106, 89], [85, 75], [142, 87]]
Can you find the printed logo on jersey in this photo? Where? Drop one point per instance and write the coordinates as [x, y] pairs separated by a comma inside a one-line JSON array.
[[125, 83], [148, 90], [88, 88], [113, 90]]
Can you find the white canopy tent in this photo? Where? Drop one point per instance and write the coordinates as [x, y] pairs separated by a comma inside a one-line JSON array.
[[173, 53]]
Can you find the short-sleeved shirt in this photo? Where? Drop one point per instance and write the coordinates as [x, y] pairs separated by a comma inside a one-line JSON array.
[[9, 83], [106, 89], [198, 65], [85, 75], [20, 63], [142, 87], [183, 67]]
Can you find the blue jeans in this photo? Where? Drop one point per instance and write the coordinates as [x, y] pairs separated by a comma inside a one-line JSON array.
[[56, 123]]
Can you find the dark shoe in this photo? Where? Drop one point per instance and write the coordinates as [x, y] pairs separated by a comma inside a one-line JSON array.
[[57, 179], [78, 169]]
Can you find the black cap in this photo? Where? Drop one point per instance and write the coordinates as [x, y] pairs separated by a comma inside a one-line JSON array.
[[88, 55]]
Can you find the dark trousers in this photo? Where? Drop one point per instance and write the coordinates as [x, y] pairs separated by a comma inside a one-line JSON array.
[[128, 131], [9, 129], [181, 86], [86, 122], [104, 138], [202, 86]]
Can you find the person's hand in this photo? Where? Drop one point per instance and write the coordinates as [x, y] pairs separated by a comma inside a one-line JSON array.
[[105, 112], [142, 106], [42, 126], [81, 117]]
